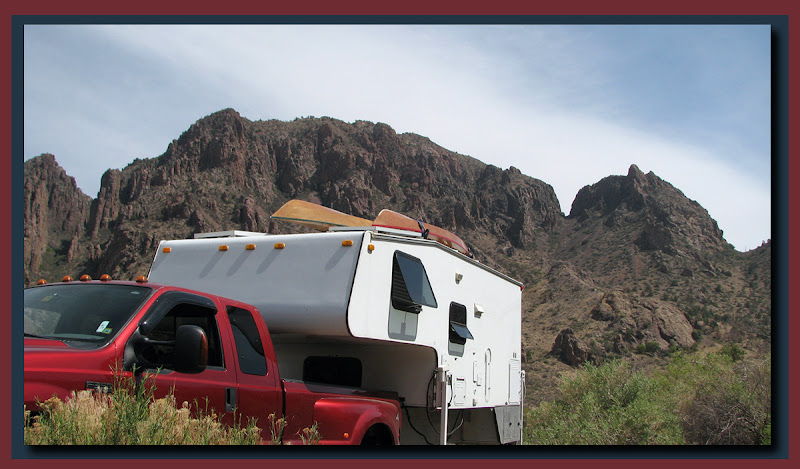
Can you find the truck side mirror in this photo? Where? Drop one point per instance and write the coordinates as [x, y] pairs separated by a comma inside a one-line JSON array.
[[133, 359], [191, 349]]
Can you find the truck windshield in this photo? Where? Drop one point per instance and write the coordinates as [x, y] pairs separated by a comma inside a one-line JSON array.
[[92, 313]]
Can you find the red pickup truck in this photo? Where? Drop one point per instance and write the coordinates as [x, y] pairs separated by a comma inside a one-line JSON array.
[[80, 334]]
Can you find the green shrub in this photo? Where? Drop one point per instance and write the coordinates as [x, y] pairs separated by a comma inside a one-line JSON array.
[[704, 400], [734, 351], [721, 401], [605, 405]]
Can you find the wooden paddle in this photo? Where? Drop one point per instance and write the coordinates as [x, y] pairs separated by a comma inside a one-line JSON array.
[[321, 218], [316, 216]]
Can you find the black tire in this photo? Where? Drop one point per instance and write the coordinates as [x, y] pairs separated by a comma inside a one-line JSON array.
[[378, 435]]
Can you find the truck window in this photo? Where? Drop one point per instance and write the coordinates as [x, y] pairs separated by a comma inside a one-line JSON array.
[[179, 315], [411, 288], [81, 313], [249, 348], [458, 331]]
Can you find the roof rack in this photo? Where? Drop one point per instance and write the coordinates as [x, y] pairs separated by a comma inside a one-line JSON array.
[[378, 229], [228, 234]]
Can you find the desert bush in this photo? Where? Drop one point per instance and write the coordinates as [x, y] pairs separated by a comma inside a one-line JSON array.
[[721, 401], [604, 405], [310, 436], [734, 351], [276, 428], [652, 347], [697, 399]]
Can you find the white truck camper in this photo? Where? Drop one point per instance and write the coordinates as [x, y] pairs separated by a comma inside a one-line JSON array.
[[377, 309]]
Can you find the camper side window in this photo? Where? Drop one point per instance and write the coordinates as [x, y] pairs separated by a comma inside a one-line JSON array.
[[458, 331], [411, 288]]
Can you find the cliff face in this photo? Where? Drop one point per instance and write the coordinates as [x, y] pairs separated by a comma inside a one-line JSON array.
[[634, 262], [228, 172], [55, 215]]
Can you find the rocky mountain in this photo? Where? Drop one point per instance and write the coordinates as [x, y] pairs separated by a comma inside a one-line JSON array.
[[635, 270]]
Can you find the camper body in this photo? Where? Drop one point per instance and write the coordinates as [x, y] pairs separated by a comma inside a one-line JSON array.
[[376, 310]]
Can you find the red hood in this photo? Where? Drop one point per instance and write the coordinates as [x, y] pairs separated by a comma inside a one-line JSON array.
[[33, 345], [52, 368]]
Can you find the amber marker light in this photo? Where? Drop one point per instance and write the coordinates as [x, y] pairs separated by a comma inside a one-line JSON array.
[[223, 247], [66, 278], [166, 250], [279, 245], [347, 242], [250, 247], [85, 278], [105, 278], [141, 279], [41, 281], [370, 247]]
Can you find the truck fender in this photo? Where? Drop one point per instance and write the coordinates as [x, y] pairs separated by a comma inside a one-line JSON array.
[[345, 420]]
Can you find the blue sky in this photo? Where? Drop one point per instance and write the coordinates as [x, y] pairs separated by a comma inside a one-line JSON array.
[[567, 104]]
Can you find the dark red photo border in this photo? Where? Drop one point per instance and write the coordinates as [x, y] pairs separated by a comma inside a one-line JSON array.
[[784, 66]]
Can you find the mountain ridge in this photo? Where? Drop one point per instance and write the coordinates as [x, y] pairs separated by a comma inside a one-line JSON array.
[[635, 261]]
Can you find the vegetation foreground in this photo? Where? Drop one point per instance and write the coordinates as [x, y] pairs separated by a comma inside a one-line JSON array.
[[717, 399], [132, 416]]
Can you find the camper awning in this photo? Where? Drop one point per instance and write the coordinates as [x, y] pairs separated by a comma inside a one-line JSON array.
[[460, 330]]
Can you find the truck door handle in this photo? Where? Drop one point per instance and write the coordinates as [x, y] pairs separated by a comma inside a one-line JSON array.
[[230, 399]]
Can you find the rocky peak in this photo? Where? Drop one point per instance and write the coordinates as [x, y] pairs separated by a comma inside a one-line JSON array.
[[666, 220], [55, 212]]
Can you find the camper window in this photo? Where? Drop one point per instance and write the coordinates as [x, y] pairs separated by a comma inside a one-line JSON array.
[[458, 331], [411, 288]]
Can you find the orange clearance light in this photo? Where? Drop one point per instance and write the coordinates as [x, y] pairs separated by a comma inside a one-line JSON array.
[[85, 278], [166, 250], [66, 278], [141, 279], [370, 247], [41, 281], [105, 278], [223, 248], [279, 245], [346, 436], [347, 242], [250, 247]]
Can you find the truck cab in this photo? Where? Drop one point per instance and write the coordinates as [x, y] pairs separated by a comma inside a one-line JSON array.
[[212, 351]]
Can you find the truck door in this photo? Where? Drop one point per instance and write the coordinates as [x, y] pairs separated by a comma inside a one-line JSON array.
[[211, 389]]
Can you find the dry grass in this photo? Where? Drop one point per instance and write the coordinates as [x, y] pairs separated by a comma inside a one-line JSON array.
[[131, 416]]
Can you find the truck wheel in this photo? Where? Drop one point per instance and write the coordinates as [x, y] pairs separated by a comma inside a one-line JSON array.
[[378, 435]]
